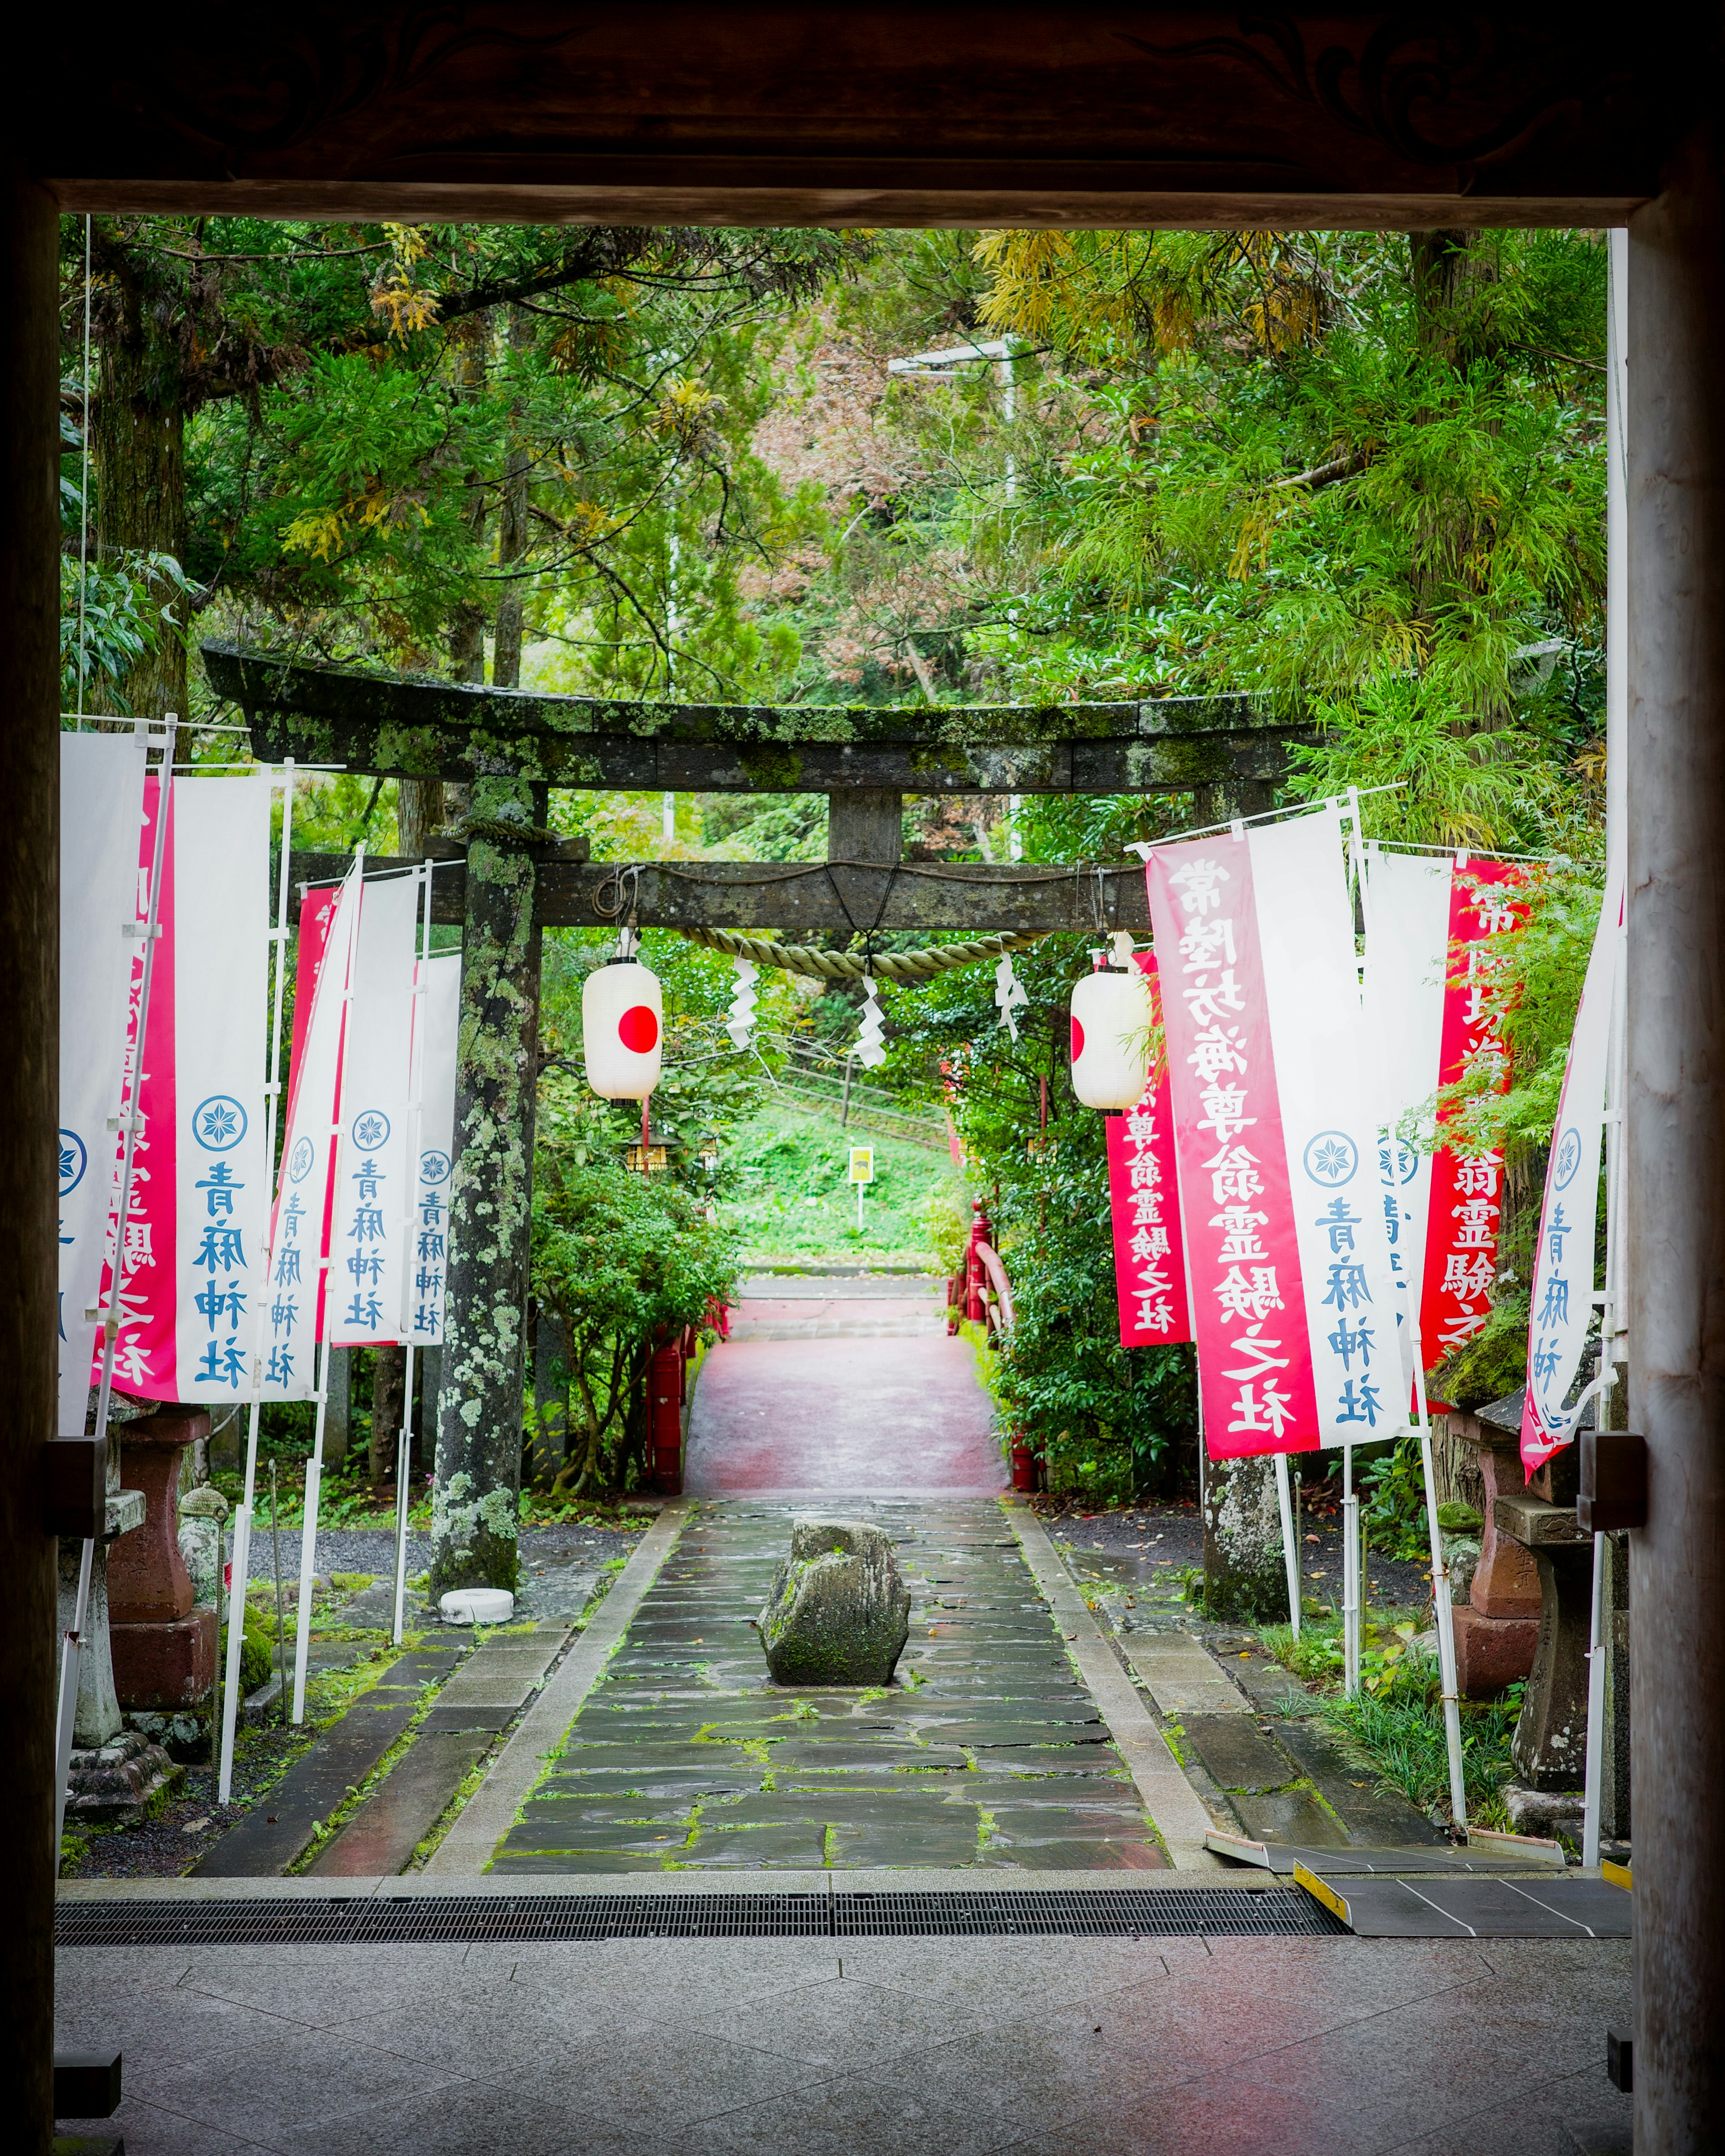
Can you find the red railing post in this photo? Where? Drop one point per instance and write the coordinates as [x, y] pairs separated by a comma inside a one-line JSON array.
[[665, 1417], [976, 1308]]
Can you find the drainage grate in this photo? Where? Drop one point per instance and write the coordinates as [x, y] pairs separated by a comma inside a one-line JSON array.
[[1105, 1911], [1109, 1911]]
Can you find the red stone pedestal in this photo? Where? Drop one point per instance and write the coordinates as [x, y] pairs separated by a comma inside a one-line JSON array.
[[164, 1649], [163, 1669], [1492, 1652], [1497, 1629]]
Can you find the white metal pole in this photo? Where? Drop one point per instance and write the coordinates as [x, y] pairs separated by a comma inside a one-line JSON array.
[[1614, 1343], [1353, 1619], [416, 1114], [1350, 1578], [314, 1466], [1595, 1708], [1289, 1552], [72, 1646], [1446, 1615], [243, 1518]]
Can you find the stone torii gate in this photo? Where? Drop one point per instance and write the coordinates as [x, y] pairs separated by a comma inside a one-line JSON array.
[[511, 747]]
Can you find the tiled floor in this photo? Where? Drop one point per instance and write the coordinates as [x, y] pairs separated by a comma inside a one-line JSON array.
[[958, 2047], [987, 1751]]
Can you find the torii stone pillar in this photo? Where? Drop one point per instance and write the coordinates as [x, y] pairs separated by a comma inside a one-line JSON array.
[[478, 1411], [1676, 1134]]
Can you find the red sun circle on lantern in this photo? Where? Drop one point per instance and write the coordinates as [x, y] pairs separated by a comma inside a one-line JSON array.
[[1077, 1041], [638, 1030]]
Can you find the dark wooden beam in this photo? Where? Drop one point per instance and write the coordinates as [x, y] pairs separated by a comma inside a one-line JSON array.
[[29, 1103], [417, 726], [797, 899], [881, 112], [1675, 1207]]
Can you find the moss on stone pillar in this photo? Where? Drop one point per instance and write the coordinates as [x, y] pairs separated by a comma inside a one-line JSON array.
[[478, 1417]]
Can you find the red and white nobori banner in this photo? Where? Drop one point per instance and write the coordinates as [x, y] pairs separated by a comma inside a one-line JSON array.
[[1143, 1199], [192, 1253], [300, 1226], [368, 1235], [436, 1021], [1292, 1306], [101, 799], [1562, 1303], [1466, 1205]]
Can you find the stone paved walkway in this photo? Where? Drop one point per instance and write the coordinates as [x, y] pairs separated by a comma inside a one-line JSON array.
[[986, 1751]]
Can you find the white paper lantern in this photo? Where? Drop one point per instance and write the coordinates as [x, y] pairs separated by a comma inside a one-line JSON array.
[[1110, 1034], [622, 1022]]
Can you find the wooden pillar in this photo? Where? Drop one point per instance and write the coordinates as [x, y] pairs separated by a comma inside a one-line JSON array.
[[1675, 1130], [484, 1365], [865, 823], [29, 1082]]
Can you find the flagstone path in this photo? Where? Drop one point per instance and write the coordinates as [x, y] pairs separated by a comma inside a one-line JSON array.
[[987, 1751]]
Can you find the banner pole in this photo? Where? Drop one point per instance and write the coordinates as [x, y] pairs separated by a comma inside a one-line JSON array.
[[404, 1444], [1352, 1568], [314, 1466], [244, 1513], [72, 1645], [1614, 1344], [1350, 1578], [1290, 1551], [1446, 1615]]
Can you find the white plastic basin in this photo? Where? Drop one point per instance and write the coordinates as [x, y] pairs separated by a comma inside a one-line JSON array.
[[477, 1605]]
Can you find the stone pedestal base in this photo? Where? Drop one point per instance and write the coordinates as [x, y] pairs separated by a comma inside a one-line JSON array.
[[1492, 1652], [1549, 1748], [115, 1785], [164, 1667]]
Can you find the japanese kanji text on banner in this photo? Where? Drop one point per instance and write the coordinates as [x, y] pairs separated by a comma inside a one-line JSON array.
[[1562, 1303], [368, 1233], [1432, 923], [436, 1017], [1144, 1199], [1466, 1205], [192, 1259], [101, 801], [1292, 1309], [300, 1230]]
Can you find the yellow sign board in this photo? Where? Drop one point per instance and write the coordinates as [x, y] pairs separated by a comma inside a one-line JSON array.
[[862, 1164]]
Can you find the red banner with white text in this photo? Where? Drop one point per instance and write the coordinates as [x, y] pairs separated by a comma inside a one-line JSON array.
[[1255, 1369], [1465, 1208], [1143, 1199]]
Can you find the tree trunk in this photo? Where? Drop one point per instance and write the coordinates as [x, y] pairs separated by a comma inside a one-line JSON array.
[[418, 814], [479, 1433], [512, 539], [137, 453], [389, 1379], [1244, 1575]]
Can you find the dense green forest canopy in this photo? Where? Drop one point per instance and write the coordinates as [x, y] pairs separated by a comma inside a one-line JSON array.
[[1360, 476]]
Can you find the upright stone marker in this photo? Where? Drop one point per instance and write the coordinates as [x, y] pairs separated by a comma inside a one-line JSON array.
[[839, 1610], [484, 1365]]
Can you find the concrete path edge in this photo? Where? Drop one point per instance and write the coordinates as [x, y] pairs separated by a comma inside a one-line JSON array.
[[1171, 1802], [469, 1845]]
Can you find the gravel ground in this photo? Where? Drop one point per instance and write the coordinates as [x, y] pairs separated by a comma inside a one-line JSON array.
[[162, 1847], [1170, 1538], [373, 1549]]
